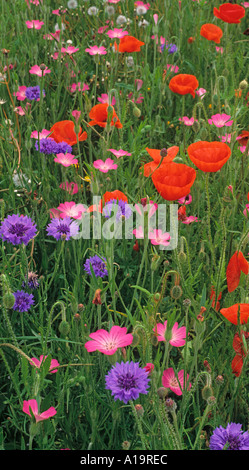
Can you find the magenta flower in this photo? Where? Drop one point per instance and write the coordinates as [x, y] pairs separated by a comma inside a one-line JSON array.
[[72, 187], [151, 208], [38, 363], [188, 121], [185, 200], [108, 342], [52, 36], [138, 232], [116, 33], [95, 50], [170, 381], [104, 98], [34, 24], [78, 87], [119, 153], [65, 159], [225, 138], [33, 406], [219, 49], [71, 209], [20, 93], [36, 70], [157, 237], [220, 120], [178, 335], [69, 50], [104, 167], [41, 135], [76, 114], [201, 92], [173, 68]]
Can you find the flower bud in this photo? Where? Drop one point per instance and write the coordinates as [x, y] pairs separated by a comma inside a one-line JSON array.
[[243, 85], [139, 409], [219, 379], [136, 112], [64, 327], [8, 300], [126, 445], [170, 404], [196, 126], [97, 297], [163, 152], [162, 392], [207, 392], [176, 292]]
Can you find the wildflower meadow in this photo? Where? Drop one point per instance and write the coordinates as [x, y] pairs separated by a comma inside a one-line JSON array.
[[124, 199]]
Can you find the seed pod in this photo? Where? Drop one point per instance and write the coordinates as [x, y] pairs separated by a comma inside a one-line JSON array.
[[8, 300]]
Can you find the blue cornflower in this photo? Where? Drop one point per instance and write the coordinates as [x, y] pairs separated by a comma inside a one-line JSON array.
[[98, 266], [127, 380], [172, 48], [229, 438], [49, 146], [17, 229], [62, 229], [33, 93], [120, 208], [23, 301]]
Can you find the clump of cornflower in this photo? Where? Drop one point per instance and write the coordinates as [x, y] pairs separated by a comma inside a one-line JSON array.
[[62, 229], [33, 93], [31, 281], [171, 48], [230, 438], [98, 266], [23, 301], [17, 229], [126, 381], [48, 146], [120, 208]]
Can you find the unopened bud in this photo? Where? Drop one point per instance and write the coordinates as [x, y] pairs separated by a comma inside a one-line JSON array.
[[64, 327], [81, 307], [219, 379], [176, 292], [136, 112], [139, 409], [207, 392], [126, 445], [163, 152], [162, 392], [170, 404], [243, 85], [196, 126], [97, 297], [8, 300]]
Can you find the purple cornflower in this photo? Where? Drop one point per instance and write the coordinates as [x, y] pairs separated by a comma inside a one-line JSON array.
[[31, 281], [127, 380], [122, 209], [98, 266], [17, 229], [172, 48], [62, 229], [49, 146], [23, 301], [229, 438], [33, 93]]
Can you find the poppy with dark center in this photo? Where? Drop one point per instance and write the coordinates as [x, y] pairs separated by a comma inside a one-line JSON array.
[[236, 265], [229, 13], [243, 138], [209, 156], [238, 346], [128, 44], [211, 32], [100, 114], [63, 131], [166, 155], [173, 180], [235, 312], [184, 84]]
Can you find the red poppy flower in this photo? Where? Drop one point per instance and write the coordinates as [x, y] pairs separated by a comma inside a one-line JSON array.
[[209, 156], [211, 32], [238, 346], [129, 44], [63, 131], [173, 180], [243, 138], [215, 305], [183, 84], [236, 264], [229, 13], [156, 155], [231, 313], [99, 116]]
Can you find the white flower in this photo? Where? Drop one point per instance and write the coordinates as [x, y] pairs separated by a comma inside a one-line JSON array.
[[92, 11], [129, 61], [72, 4], [141, 10], [121, 19]]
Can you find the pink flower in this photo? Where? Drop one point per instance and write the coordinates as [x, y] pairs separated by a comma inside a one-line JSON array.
[[57, 12], [66, 159], [78, 87], [138, 232], [149, 367], [36, 70], [173, 68], [108, 342], [102, 29], [54, 363], [41, 135], [33, 405], [220, 120], [188, 121], [52, 36], [34, 24], [246, 210], [72, 187], [245, 4], [94, 50], [243, 148], [105, 166], [169, 380], [71, 209], [138, 83], [69, 50], [104, 98], [151, 208], [76, 114], [157, 237], [116, 33], [185, 200], [219, 49], [119, 153], [178, 335], [225, 138], [113, 1], [155, 17], [201, 92], [20, 94]]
